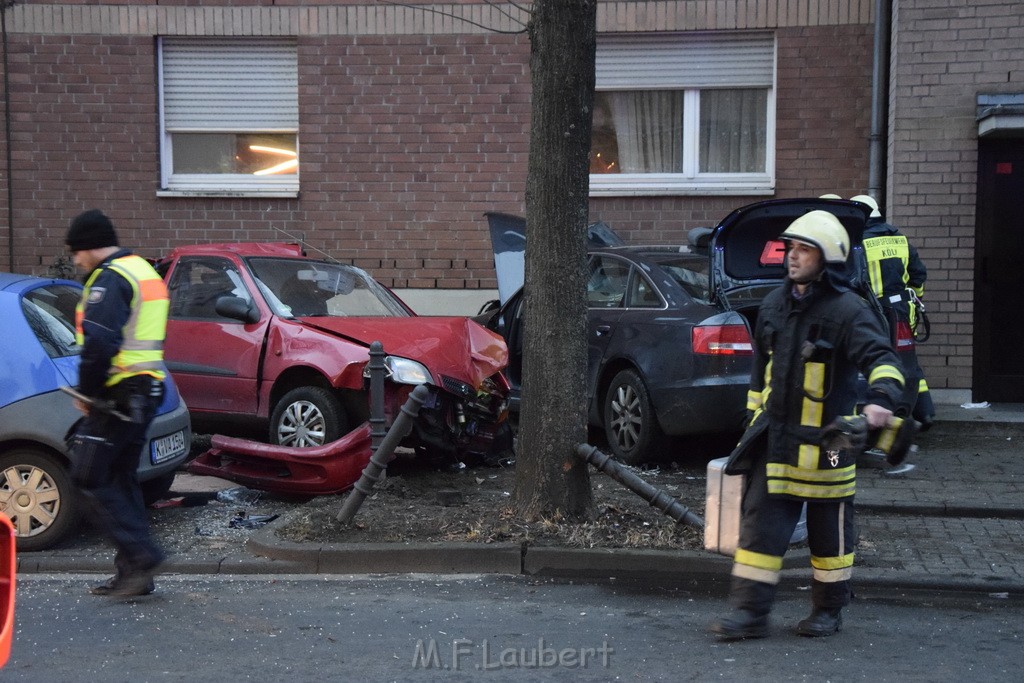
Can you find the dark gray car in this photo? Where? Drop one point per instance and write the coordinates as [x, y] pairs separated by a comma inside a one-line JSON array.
[[669, 348]]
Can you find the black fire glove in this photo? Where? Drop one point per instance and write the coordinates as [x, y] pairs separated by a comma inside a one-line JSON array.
[[848, 433]]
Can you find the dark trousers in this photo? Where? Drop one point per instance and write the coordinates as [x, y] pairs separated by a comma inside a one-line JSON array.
[[105, 460], [767, 526]]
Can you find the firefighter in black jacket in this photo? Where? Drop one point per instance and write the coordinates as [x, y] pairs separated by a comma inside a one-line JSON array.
[[813, 335], [897, 276]]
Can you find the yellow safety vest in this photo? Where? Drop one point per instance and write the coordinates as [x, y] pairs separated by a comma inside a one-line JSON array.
[[142, 348]]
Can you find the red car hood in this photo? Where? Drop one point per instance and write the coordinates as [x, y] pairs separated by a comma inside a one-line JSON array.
[[455, 347]]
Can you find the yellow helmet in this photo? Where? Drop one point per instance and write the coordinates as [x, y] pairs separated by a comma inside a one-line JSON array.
[[830, 196], [822, 230], [870, 201]]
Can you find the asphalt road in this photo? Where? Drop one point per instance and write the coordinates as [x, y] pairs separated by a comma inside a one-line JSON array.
[[425, 628]]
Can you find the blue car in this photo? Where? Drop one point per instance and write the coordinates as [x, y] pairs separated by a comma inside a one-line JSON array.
[[38, 355]]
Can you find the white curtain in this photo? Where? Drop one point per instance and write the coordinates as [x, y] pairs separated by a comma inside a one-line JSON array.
[[732, 131], [649, 130]]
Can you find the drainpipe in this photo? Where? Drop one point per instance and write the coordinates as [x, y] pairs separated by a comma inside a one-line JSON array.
[[4, 4], [879, 102]]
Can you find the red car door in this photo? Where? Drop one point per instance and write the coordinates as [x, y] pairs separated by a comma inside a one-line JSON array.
[[214, 359]]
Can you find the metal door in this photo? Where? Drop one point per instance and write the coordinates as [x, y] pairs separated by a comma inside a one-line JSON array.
[[999, 273]]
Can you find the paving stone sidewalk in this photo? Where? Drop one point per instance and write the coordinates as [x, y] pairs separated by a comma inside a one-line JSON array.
[[956, 520]]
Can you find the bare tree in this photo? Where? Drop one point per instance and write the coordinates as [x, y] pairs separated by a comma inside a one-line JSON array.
[[550, 480]]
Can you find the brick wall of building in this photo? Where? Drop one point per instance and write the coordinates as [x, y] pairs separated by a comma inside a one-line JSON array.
[[411, 126], [945, 54]]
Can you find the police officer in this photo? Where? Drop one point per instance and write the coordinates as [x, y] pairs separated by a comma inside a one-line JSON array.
[[897, 276], [813, 335], [120, 325]]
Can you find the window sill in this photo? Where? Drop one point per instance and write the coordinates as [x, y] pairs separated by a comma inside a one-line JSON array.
[[256, 194], [650, 185]]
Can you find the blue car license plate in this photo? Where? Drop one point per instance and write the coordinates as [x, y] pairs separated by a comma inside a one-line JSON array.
[[167, 447]]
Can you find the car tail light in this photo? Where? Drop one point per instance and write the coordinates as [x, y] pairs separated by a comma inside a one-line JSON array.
[[904, 336], [722, 340]]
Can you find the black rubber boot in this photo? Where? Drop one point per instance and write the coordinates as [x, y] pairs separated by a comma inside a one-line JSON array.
[[826, 616], [821, 623], [741, 623], [751, 602]]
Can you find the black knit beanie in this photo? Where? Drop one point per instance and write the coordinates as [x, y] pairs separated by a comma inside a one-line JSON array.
[[91, 230]]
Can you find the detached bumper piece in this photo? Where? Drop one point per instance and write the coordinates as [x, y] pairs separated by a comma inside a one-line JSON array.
[[331, 468]]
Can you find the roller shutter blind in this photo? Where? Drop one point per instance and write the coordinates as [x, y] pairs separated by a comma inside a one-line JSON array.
[[235, 85], [703, 60]]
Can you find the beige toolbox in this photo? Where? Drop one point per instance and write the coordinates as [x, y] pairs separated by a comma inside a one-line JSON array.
[[722, 511]]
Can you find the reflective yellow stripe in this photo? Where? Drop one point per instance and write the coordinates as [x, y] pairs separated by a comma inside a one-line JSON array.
[[814, 379], [802, 482], [833, 575], [830, 563], [809, 456], [922, 386], [782, 487], [743, 571], [759, 560], [832, 569], [753, 400], [875, 275], [885, 371], [786, 471], [814, 386], [888, 435]]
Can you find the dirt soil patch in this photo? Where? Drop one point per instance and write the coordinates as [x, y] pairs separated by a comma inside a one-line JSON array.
[[419, 503]]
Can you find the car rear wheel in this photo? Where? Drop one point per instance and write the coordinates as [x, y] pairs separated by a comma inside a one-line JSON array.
[[630, 424], [37, 495], [308, 416]]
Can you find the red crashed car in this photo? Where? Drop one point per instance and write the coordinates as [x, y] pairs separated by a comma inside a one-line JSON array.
[[260, 334]]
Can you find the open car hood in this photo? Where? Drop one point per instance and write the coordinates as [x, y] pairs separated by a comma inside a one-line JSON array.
[[508, 239], [450, 346], [745, 251]]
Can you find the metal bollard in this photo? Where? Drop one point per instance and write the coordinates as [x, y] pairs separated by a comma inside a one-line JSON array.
[[652, 494], [384, 454], [377, 369]]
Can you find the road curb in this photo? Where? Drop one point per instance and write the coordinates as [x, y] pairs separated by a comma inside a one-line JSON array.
[[900, 509]]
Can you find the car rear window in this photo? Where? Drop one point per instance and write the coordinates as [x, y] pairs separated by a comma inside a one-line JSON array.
[[691, 274], [50, 312]]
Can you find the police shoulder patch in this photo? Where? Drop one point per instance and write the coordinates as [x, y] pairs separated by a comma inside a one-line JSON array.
[[96, 295]]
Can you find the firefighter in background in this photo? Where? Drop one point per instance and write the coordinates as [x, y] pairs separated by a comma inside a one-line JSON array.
[[897, 278], [813, 335], [120, 321]]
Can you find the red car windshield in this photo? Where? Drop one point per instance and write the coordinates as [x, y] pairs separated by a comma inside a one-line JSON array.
[[297, 288]]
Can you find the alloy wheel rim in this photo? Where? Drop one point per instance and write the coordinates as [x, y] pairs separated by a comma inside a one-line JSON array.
[[626, 417], [302, 425], [30, 498]]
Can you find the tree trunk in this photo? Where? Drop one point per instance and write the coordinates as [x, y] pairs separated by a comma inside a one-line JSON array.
[[550, 480]]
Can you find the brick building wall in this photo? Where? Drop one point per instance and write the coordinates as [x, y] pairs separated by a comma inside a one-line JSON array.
[[412, 124], [944, 54]]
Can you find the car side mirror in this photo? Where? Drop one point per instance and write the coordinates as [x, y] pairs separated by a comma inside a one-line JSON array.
[[237, 308]]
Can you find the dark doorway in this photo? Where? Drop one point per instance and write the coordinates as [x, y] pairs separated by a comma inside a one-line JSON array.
[[999, 272]]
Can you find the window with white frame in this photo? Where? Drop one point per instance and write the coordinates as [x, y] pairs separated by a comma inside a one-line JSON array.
[[688, 113], [229, 117]]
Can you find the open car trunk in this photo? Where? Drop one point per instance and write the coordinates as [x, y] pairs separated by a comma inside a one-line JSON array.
[[748, 259]]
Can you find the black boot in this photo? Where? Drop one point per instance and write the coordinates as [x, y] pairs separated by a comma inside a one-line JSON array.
[[741, 623], [825, 619], [822, 622], [751, 602]]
